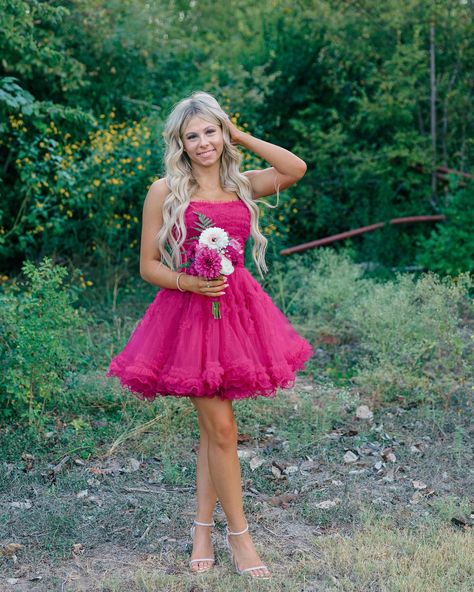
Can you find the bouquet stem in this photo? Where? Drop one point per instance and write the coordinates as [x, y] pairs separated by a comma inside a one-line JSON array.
[[216, 309]]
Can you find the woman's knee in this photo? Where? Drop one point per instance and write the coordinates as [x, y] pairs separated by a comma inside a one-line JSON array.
[[223, 433], [217, 419]]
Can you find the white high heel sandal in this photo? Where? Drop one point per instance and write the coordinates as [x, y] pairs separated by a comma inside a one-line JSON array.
[[211, 559], [247, 569]]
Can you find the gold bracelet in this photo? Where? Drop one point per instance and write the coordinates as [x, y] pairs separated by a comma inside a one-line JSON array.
[[177, 282]]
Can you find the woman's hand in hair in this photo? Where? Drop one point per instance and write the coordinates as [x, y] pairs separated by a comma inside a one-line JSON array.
[[235, 133], [198, 284]]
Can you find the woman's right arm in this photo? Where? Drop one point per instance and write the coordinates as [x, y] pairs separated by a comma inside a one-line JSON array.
[[152, 270]]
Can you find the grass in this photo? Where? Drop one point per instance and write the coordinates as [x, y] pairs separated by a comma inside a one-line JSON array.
[[121, 521], [102, 498]]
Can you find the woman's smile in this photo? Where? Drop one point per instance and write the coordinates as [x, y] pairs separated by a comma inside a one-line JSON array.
[[207, 153]]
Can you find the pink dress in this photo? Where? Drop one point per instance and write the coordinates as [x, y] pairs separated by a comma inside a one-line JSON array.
[[178, 348]]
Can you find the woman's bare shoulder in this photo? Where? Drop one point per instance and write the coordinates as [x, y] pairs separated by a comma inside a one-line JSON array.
[[157, 193], [159, 188]]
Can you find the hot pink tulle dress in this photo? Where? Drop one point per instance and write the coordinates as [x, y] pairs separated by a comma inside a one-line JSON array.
[[178, 348]]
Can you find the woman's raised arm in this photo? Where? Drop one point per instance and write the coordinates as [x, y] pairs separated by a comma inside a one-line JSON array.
[[286, 169]]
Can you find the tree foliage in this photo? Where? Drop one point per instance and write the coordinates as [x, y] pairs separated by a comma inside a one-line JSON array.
[[85, 87]]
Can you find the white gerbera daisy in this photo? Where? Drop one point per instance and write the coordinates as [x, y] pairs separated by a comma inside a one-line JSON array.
[[214, 238]]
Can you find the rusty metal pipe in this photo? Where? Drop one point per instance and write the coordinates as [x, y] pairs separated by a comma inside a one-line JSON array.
[[342, 235]]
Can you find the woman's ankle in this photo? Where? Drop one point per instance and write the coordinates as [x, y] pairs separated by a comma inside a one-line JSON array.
[[240, 527]]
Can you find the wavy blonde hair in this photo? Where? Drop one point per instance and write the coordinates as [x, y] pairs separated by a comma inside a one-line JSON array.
[[183, 185]]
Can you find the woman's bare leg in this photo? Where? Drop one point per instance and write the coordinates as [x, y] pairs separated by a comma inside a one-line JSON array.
[[217, 417], [206, 501]]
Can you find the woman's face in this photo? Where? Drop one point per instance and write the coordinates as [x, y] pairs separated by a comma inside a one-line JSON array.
[[203, 141]]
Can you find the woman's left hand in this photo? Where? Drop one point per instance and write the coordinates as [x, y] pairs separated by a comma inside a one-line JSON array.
[[235, 133]]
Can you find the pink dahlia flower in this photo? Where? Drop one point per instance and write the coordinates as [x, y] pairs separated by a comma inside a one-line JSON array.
[[207, 262]]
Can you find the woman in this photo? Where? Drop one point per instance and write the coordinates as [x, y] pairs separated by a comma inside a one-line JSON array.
[[181, 347]]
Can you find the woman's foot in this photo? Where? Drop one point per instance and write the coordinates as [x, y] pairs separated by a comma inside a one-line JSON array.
[[245, 555], [202, 556]]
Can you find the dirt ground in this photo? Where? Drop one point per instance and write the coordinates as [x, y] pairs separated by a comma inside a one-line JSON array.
[[339, 514]]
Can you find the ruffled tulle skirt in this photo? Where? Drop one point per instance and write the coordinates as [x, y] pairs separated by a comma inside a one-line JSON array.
[[178, 348]]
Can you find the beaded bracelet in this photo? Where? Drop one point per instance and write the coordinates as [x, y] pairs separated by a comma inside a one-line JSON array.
[[177, 282]]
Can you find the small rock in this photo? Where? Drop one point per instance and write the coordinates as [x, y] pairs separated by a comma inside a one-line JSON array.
[[277, 471], [256, 462], [370, 448], [133, 464], [11, 549], [363, 412], [95, 500], [308, 465], [388, 455], [350, 457], [416, 497], [327, 504], [21, 505], [357, 471], [245, 453], [78, 548]]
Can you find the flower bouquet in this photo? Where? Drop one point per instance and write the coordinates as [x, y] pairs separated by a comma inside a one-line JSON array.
[[212, 254]]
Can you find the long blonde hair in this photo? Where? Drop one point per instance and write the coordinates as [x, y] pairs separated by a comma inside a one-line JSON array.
[[183, 185]]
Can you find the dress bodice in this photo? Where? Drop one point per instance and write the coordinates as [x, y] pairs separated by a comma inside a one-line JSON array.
[[232, 216]]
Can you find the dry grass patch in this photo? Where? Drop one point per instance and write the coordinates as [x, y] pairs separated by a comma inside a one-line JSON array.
[[383, 558]]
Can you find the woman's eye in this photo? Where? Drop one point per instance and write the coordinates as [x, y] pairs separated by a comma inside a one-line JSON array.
[[193, 136]]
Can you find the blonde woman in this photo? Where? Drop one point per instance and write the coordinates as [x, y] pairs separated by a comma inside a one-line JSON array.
[[181, 347]]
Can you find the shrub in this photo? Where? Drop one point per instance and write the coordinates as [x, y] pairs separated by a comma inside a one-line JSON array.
[[320, 287], [412, 338], [40, 341], [404, 338], [449, 249]]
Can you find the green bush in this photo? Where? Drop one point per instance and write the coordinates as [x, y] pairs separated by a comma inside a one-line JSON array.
[[408, 338], [412, 336], [40, 342], [81, 198], [319, 288], [449, 250]]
